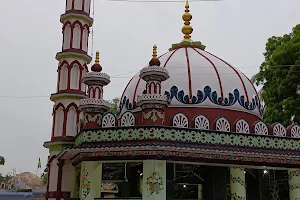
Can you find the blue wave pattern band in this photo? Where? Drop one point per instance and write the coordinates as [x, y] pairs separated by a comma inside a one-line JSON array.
[[201, 96]]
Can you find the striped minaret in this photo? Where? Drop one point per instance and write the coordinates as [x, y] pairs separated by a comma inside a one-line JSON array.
[[73, 60]]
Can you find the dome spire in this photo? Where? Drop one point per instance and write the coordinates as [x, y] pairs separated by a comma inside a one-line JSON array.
[[154, 61], [187, 17], [97, 57], [97, 67]]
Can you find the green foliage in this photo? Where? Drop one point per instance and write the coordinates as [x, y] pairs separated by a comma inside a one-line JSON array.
[[280, 79], [114, 105], [5, 178], [2, 160]]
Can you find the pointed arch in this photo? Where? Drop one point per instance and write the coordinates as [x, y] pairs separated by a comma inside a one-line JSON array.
[[63, 76], [71, 121], [85, 36], [83, 71], [91, 92], [72, 105], [65, 24], [76, 36], [67, 31], [59, 118], [59, 105], [74, 76]]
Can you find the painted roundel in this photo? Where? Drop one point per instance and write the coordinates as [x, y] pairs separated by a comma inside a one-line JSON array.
[[199, 79]]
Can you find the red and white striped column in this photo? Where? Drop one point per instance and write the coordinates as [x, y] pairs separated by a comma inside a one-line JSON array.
[[73, 60]]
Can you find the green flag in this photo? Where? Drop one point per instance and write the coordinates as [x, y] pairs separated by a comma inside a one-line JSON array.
[[39, 163]]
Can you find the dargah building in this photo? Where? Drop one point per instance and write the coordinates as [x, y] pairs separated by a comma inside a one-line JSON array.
[[189, 126]]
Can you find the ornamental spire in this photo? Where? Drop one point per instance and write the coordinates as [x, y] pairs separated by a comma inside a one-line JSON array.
[[187, 17], [97, 67], [97, 57], [154, 61]]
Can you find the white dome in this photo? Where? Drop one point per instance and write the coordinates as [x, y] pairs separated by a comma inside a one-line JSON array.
[[199, 79]]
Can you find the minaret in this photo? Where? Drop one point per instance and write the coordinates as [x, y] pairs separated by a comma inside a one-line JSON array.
[[94, 106], [73, 60], [152, 101]]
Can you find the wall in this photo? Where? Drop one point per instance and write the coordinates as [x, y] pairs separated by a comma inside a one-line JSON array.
[[16, 195]]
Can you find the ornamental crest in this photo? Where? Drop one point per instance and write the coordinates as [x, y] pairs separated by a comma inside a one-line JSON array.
[[155, 183], [153, 114]]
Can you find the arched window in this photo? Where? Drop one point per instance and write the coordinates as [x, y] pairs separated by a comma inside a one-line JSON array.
[[59, 120], [63, 77], [180, 121], [222, 124], [74, 77], [71, 122], [67, 37], [76, 37], [85, 35]]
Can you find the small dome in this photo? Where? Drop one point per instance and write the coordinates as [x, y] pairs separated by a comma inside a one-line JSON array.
[[202, 80]]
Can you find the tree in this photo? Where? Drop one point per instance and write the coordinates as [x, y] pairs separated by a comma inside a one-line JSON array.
[[280, 76], [114, 105], [2, 160]]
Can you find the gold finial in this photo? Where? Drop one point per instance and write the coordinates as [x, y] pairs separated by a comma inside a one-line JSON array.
[[97, 60], [187, 17], [154, 55], [154, 61]]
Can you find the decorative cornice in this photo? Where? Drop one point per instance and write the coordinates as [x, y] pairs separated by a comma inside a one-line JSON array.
[[153, 99], [97, 104], [188, 136], [154, 73], [57, 145], [197, 153], [66, 95], [96, 78], [70, 15], [71, 54]]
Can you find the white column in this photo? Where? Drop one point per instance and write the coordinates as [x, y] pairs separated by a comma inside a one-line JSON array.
[[237, 183], [200, 192], [294, 184], [90, 180], [154, 180]]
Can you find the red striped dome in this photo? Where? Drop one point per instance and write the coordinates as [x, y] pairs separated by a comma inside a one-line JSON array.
[[199, 79]]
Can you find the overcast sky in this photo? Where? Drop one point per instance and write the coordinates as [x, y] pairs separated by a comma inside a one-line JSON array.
[[124, 32]]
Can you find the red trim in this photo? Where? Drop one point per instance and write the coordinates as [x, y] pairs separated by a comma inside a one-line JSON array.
[[82, 6], [65, 111], [69, 67], [61, 138], [217, 73], [253, 87], [59, 180], [73, 4], [54, 195], [246, 93], [189, 72]]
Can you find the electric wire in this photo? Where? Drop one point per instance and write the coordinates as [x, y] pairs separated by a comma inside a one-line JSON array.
[[129, 77]]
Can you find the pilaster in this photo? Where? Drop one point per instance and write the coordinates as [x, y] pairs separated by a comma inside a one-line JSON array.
[[90, 180], [154, 180], [237, 183], [294, 183]]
